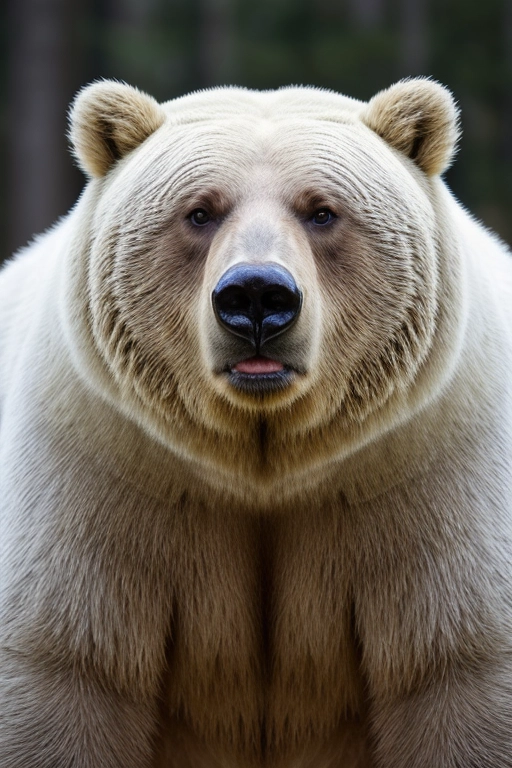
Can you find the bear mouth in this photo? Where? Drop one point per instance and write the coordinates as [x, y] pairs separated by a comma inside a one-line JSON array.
[[260, 375]]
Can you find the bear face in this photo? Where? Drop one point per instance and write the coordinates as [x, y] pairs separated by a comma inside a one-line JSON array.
[[203, 187]]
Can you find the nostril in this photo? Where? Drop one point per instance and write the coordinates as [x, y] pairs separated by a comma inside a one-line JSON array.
[[276, 301], [234, 299]]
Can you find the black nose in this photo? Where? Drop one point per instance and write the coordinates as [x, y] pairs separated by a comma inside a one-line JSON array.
[[256, 302]]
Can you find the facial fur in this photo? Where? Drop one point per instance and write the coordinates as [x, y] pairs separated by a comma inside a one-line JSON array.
[[369, 305]]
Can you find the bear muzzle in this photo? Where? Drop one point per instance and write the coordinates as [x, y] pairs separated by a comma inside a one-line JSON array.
[[257, 303]]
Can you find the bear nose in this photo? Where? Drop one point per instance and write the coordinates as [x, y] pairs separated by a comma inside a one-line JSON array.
[[257, 302]]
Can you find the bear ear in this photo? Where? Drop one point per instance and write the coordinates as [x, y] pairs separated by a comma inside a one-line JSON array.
[[419, 118], [108, 120]]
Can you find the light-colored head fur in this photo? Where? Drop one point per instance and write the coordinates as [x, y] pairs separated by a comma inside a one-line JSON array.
[[370, 312]]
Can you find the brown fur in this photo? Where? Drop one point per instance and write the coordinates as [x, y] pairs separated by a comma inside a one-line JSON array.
[[419, 119], [196, 577], [108, 121]]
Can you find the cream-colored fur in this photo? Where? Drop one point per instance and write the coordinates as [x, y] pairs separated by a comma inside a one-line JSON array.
[[197, 577]]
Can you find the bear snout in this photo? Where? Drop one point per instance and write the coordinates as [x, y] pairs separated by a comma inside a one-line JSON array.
[[257, 302]]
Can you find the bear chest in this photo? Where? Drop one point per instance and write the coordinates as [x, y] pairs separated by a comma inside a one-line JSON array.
[[263, 648]]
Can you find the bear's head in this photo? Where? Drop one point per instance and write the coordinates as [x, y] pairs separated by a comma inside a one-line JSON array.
[[263, 269]]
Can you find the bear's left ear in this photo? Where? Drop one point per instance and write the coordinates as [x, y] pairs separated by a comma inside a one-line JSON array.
[[419, 118], [108, 120]]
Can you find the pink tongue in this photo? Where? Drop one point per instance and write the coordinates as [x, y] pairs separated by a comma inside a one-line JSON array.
[[258, 365]]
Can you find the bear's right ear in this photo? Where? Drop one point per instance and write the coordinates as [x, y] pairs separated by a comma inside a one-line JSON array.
[[108, 120]]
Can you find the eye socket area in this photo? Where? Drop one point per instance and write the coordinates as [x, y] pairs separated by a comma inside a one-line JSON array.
[[322, 217], [200, 217]]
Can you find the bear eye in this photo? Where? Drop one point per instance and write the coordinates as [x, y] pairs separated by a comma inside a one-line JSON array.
[[200, 217], [322, 217]]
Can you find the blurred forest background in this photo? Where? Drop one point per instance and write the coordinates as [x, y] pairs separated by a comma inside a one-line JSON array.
[[50, 48]]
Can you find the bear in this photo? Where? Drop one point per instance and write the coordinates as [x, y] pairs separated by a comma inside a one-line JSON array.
[[255, 444]]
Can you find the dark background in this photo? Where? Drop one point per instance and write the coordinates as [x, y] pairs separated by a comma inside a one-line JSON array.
[[50, 48]]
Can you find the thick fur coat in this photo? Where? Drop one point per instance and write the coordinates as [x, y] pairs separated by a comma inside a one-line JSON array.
[[200, 569]]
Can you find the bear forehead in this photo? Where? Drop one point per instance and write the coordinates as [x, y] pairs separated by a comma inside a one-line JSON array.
[[280, 105], [290, 146], [294, 132], [263, 140], [294, 128]]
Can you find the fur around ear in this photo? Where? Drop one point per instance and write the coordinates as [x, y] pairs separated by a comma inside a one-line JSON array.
[[108, 120], [419, 118]]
